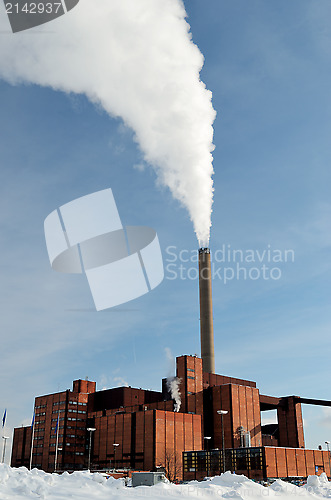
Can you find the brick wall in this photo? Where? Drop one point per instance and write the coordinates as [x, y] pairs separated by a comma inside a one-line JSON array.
[[296, 462]]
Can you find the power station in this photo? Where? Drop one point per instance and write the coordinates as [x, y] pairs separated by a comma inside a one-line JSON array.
[[217, 428]]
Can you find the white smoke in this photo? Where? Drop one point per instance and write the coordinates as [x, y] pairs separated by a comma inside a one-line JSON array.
[[137, 60], [173, 387], [173, 383]]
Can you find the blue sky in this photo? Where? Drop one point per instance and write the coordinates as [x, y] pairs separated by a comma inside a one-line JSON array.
[[267, 65]]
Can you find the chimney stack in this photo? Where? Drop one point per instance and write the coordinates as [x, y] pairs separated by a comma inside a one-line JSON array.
[[206, 312]]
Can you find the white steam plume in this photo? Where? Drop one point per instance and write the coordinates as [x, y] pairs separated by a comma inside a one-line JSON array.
[[173, 387], [136, 59], [173, 383]]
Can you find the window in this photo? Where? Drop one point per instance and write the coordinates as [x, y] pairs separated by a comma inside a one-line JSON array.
[[190, 370], [192, 378], [53, 435]]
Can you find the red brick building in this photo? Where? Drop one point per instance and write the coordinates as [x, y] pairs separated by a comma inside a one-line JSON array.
[[69, 409], [139, 429]]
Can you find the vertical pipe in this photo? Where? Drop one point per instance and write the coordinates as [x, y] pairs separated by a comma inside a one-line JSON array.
[[223, 443], [57, 440], [89, 451], [206, 312], [4, 449], [32, 438]]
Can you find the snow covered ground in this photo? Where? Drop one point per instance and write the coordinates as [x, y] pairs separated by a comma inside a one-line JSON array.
[[17, 484]]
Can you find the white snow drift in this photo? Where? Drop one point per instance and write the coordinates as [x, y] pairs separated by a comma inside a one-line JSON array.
[[21, 484]]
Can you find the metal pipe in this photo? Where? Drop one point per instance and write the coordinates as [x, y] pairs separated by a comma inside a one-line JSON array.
[[90, 430], [206, 312], [222, 413], [4, 448], [208, 438], [115, 446]]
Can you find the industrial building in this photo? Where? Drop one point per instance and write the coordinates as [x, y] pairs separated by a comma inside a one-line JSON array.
[[139, 430], [216, 427]]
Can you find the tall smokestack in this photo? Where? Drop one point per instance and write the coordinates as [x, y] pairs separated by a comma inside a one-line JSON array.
[[206, 312]]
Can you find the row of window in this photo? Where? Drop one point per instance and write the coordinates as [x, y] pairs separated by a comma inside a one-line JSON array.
[[72, 453], [70, 410], [40, 406], [59, 403], [73, 466], [71, 436]]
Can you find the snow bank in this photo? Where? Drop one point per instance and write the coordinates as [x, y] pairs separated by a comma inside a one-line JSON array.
[[21, 484]]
